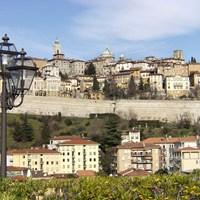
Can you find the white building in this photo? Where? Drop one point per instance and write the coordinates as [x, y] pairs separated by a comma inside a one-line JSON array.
[[50, 71], [49, 86], [177, 86], [131, 136], [123, 65]]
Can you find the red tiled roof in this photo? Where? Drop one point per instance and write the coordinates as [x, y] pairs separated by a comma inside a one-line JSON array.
[[74, 140], [138, 145], [134, 172], [14, 168], [85, 173], [18, 178], [162, 140], [65, 137], [32, 151]]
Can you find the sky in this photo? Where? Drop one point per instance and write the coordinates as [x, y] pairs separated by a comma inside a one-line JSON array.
[[85, 28]]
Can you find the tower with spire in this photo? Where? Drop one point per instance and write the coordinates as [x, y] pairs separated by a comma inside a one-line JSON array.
[[57, 53]]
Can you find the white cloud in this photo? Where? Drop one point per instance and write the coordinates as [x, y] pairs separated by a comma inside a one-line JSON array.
[[135, 20]]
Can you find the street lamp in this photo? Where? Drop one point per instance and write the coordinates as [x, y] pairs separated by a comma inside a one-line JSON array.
[[17, 72]]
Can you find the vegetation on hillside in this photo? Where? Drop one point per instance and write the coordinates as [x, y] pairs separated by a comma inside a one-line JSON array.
[[28, 130], [154, 187]]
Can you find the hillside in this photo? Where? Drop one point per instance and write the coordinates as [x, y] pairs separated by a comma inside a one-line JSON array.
[[26, 130]]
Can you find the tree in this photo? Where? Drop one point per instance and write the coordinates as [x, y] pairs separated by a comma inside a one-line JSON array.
[[23, 132], [184, 121], [95, 86], [90, 70], [131, 87], [63, 77], [45, 133], [141, 85], [106, 89], [111, 136], [193, 60]]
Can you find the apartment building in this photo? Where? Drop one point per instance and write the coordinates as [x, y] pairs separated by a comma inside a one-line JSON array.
[[170, 144], [143, 156], [77, 153], [187, 159], [37, 159]]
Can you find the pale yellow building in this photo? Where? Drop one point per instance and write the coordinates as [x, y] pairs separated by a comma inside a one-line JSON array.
[[177, 86], [171, 69], [187, 159], [156, 82], [193, 68], [77, 153], [143, 156], [37, 159]]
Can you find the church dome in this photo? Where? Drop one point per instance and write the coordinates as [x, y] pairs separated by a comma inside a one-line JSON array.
[[106, 53]]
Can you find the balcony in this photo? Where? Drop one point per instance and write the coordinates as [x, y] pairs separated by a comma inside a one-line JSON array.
[[141, 154], [135, 161]]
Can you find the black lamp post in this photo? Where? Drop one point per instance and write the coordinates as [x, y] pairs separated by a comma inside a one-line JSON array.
[[17, 72]]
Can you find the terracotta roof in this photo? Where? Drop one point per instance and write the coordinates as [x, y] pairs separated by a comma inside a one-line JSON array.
[[138, 145], [18, 178], [14, 168], [32, 151], [85, 173], [162, 140], [64, 137], [73, 139], [77, 141], [134, 172]]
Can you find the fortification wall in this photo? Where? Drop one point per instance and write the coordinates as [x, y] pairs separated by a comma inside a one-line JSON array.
[[143, 109]]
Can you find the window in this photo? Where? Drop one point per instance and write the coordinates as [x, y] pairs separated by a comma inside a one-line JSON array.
[[63, 160], [90, 159], [35, 162], [79, 153], [63, 154], [52, 162], [56, 162], [47, 162]]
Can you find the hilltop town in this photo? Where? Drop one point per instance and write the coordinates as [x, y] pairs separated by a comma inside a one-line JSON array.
[[105, 77]]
